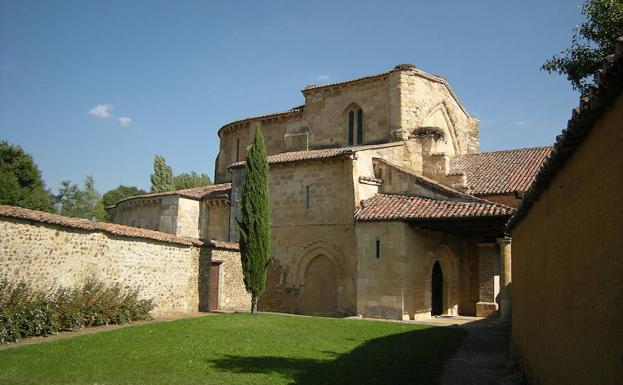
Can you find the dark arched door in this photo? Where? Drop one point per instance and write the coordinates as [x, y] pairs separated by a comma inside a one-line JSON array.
[[437, 290]]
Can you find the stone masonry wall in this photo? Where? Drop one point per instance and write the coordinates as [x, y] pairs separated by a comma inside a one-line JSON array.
[[187, 218], [425, 102], [49, 255], [273, 130], [397, 284], [232, 293], [326, 112], [302, 232], [159, 214], [214, 220]]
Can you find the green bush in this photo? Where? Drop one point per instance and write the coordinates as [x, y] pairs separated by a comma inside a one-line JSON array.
[[26, 312]]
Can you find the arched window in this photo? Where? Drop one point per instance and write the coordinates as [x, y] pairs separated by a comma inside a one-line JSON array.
[[355, 126]]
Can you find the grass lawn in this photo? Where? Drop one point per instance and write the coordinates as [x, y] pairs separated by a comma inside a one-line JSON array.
[[240, 349]]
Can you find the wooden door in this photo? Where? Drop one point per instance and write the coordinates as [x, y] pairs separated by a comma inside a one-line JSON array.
[[214, 281]]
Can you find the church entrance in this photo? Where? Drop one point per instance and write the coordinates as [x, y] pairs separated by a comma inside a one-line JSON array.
[[319, 295], [437, 290]]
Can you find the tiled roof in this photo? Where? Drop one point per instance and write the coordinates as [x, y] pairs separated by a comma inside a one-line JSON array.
[[225, 245], [83, 224], [214, 191], [500, 172], [291, 111], [608, 88], [296, 156], [408, 208]]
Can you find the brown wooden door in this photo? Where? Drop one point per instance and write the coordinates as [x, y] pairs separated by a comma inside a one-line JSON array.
[[213, 294]]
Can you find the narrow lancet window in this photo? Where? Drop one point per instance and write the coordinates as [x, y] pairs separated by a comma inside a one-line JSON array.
[[306, 197], [237, 149], [351, 127], [359, 127]]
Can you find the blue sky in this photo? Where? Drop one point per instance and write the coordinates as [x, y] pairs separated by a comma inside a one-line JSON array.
[[181, 69]]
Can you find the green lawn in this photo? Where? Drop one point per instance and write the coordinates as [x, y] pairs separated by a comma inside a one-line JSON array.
[[240, 349]]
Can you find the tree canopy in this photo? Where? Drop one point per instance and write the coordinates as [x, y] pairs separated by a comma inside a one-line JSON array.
[[190, 180], [254, 221], [121, 192], [162, 179], [20, 180], [84, 203], [592, 41]]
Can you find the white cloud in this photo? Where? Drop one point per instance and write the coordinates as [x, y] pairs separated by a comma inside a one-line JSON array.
[[322, 77], [125, 121], [519, 123], [101, 111]]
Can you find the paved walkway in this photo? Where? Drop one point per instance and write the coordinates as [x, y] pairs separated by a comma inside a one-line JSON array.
[[484, 356]]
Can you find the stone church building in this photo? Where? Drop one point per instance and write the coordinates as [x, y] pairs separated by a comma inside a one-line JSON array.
[[382, 203]]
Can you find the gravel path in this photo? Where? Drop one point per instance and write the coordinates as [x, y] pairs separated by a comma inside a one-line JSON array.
[[483, 358]]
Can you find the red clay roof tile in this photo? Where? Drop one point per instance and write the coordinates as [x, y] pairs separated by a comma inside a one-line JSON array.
[[83, 224], [213, 191], [296, 156], [402, 207], [500, 172]]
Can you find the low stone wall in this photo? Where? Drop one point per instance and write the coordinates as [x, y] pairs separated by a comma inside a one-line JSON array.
[[48, 250]]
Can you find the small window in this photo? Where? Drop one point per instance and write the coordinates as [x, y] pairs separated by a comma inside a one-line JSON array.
[[306, 197], [351, 127], [378, 248], [237, 149], [359, 127], [355, 126]]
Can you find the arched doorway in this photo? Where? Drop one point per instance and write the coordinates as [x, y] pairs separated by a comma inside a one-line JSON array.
[[437, 290], [319, 294]]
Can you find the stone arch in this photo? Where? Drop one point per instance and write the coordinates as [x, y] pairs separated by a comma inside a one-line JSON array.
[[450, 270], [306, 254], [438, 117], [317, 274], [318, 294], [356, 134]]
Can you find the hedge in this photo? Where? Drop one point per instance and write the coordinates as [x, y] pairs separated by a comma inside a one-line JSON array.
[[26, 312]]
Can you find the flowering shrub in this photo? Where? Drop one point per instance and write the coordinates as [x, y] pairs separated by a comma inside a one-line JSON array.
[[26, 312]]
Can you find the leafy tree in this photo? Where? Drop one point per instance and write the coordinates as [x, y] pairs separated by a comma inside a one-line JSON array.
[[80, 203], [254, 222], [111, 197], [20, 180], [190, 180], [592, 41], [162, 177], [115, 195]]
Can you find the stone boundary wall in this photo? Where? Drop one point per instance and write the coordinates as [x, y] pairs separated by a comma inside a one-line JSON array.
[[48, 250]]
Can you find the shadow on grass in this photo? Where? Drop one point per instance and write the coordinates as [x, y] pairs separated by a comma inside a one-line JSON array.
[[415, 357]]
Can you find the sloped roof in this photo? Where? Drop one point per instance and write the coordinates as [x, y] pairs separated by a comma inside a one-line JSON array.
[[500, 172], [383, 207], [83, 224], [583, 118], [291, 111], [214, 191], [297, 156]]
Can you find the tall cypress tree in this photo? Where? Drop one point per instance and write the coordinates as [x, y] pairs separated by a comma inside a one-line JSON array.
[[254, 223], [162, 177]]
